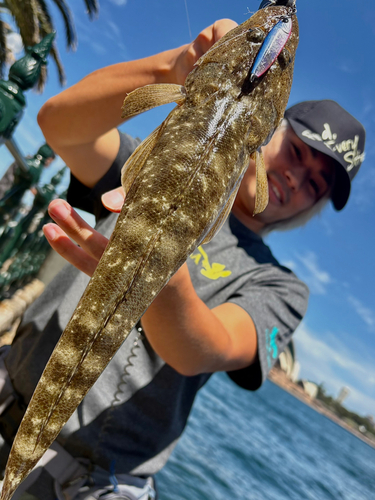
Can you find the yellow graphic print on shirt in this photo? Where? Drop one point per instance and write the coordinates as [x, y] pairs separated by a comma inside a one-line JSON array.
[[212, 271]]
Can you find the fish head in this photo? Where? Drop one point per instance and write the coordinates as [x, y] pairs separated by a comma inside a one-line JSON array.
[[225, 74], [233, 56]]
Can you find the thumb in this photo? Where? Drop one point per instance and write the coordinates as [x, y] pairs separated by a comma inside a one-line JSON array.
[[114, 200]]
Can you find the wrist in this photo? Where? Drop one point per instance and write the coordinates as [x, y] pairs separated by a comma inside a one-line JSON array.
[[173, 305], [166, 68], [178, 293]]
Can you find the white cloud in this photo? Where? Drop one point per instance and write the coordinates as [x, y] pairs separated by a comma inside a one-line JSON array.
[[347, 68], [114, 28], [368, 107], [90, 32], [327, 226], [14, 43], [98, 48], [290, 264], [316, 278], [366, 314], [363, 189], [119, 2], [115, 35], [331, 362]]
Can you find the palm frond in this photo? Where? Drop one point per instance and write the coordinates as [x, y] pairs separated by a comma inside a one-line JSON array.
[[92, 7], [71, 37], [42, 80], [34, 21], [60, 67], [25, 14], [46, 26], [43, 12]]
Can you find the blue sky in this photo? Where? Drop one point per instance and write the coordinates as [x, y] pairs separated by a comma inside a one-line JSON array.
[[334, 253]]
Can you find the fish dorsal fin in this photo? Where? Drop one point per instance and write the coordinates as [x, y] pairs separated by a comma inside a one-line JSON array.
[[135, 162], [261, 195], [151, 96]]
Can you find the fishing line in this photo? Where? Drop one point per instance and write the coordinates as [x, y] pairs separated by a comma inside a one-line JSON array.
[[119, 390], [188, 21]]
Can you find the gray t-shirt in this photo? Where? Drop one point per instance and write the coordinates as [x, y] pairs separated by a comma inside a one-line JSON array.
[[138, 408]]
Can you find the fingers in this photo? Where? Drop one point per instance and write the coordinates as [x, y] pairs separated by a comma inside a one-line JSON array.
[[90, 241], [204, 41], [60, 242], [92, 244], [212, 34], [114, 200], [221, 28]]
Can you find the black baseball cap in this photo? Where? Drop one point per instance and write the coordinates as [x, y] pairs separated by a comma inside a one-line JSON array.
[[329, 128]]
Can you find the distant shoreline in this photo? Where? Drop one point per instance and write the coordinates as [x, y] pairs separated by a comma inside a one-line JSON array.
[[279, 378]]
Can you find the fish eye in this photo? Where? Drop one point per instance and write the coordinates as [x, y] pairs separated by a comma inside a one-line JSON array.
[[255, 35]]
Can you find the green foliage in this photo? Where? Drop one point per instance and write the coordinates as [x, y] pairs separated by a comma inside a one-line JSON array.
[[34, 21], [342, 412]]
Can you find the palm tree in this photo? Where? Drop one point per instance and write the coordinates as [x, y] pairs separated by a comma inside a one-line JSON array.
[[34, 21]]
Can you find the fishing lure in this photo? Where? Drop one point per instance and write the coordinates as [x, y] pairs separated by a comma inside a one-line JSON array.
[[180, 185], [272, 47]]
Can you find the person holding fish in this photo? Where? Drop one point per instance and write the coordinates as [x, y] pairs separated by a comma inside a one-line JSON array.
[[231, 307]]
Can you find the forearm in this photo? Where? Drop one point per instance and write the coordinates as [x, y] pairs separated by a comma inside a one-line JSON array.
[[80, 123], [194, 339], [184, 332], [92, 107], [178, 327]]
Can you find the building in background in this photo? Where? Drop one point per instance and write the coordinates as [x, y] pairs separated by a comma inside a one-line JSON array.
[[343, 394]]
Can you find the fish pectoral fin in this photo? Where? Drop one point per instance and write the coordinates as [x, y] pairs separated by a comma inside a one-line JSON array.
[[222, 216], [135, 162], [151, 96], [261, 194]]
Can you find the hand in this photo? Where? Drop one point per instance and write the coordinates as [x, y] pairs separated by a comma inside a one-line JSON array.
[[204, 41], [92, 244], [180, 327]]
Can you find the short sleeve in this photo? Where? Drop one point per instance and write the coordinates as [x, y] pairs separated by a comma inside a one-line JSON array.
[[84, 198], [276, 300]]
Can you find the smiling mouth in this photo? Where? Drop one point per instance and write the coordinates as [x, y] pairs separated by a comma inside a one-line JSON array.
[[275, 191]]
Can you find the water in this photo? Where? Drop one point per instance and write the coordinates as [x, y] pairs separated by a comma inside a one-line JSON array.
[[265, 445]]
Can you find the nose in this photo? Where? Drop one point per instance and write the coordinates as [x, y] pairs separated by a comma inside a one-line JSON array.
[[296, 177]]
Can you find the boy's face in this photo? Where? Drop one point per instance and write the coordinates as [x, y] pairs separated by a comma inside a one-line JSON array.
[[298, 177]]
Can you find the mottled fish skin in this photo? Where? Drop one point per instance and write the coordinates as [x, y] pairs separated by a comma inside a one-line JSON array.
[[187, 182]]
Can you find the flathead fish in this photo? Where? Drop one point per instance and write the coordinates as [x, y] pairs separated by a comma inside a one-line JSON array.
[[180, 184]]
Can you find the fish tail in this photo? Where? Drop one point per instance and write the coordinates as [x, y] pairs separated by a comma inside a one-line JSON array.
[[50, 409], [84, 350]]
